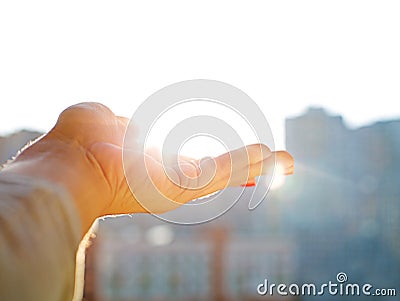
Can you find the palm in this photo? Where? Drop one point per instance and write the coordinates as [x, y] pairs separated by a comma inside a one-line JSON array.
[[156, 187]]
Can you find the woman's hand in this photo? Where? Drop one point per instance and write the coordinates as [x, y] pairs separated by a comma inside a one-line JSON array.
[[83, 153]]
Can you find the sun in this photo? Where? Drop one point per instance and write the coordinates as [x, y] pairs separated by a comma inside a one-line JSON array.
[[279, 177]]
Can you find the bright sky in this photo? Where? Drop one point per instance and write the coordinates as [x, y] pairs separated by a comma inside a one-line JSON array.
[[287, 55]]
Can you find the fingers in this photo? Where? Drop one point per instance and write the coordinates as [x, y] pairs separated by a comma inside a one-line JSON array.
[[247, 155], [236, 167], [281, 160], [159, 188], [232, 168], [285, 161], [242, 169], [187, 179]]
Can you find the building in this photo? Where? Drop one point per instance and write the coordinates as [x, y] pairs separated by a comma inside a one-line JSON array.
[[11, 144], [344, 198]]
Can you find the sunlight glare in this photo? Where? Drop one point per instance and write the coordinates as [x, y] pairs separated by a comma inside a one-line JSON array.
[[201, 145], [279, 177]]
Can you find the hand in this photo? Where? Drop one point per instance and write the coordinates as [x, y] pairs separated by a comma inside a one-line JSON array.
[[83, 153]]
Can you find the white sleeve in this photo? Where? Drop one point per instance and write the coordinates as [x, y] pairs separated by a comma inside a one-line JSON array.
[[39, 237]]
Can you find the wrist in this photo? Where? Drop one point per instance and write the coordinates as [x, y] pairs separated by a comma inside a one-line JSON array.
[[70, 166]]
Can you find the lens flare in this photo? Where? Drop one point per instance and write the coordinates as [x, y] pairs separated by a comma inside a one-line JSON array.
[[279, 177]]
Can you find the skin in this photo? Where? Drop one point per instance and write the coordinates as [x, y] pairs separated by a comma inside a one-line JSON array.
[[83, 154]]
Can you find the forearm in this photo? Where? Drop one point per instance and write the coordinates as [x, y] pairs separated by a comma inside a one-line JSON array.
[[65, 164], [39, 236]]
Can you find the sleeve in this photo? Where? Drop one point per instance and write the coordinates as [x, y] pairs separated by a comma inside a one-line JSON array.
[[39, 238]]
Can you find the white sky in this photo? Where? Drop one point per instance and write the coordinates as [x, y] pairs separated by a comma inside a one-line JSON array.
[[287, 55]]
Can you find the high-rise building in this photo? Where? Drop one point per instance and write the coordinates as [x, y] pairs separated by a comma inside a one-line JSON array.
[[343, 202]]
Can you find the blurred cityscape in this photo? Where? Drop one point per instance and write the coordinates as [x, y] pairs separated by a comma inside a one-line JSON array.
[[11, 144], [339, 212]]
